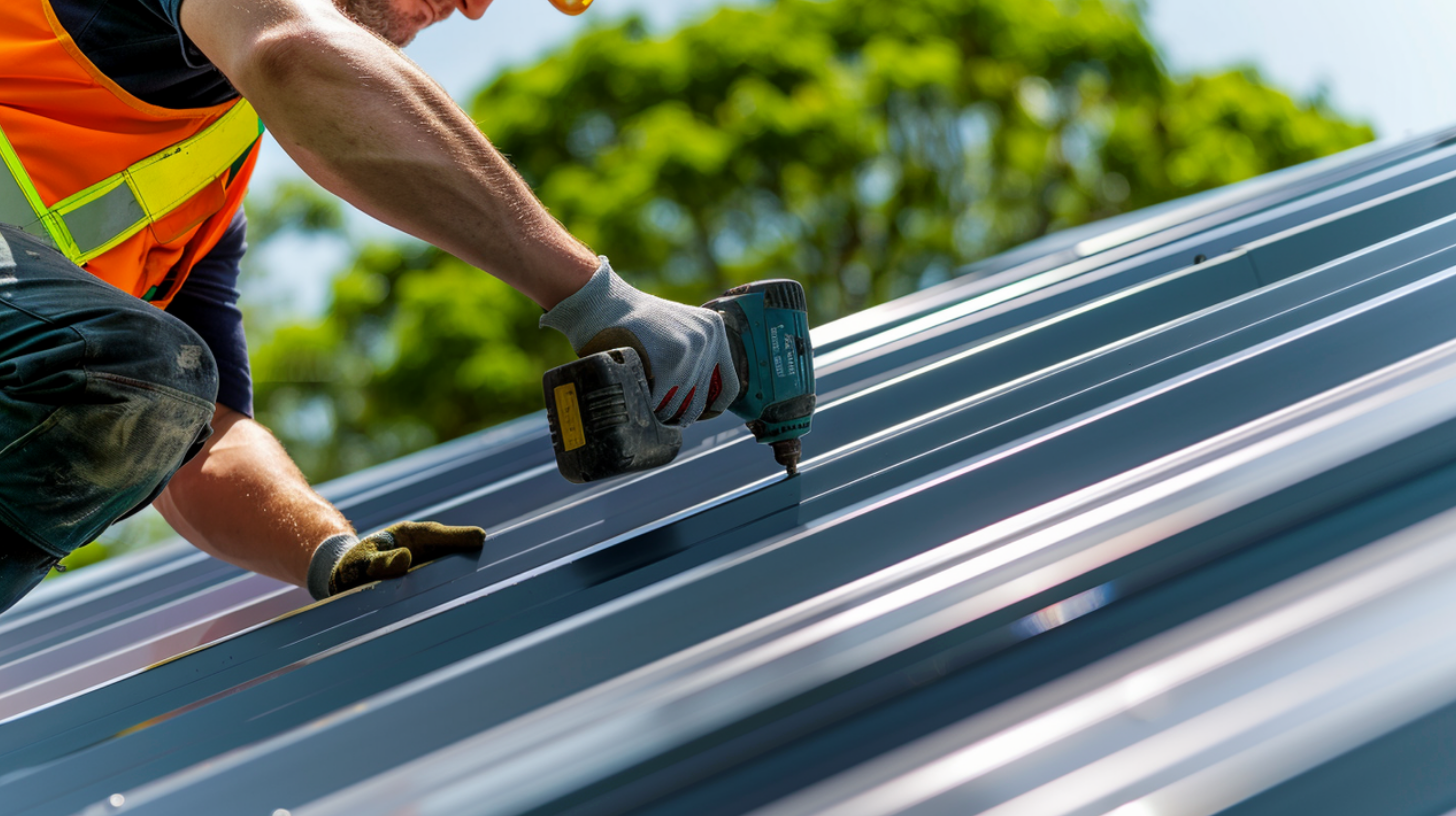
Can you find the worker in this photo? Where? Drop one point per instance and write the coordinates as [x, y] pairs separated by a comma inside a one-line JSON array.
[[130, 128]]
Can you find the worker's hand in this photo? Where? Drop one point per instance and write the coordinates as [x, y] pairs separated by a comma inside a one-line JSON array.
[[683, 348], [344, 562]]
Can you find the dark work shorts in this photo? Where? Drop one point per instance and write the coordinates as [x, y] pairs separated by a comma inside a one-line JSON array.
[[102, 398]]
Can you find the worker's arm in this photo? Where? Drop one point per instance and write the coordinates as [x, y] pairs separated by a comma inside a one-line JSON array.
[[370, 126], [243, 500]]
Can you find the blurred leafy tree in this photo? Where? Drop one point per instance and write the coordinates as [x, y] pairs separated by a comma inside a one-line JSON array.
[[417, 347], [866, 148], [295, 205]]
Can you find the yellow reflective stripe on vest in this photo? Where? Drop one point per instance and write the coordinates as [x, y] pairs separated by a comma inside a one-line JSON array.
[[103, 215], [20, 204], [98, 218]]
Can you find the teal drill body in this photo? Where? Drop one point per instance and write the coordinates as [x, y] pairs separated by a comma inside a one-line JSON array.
[[768, 331], [600, 414]]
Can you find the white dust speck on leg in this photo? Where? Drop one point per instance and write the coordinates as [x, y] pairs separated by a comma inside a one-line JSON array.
[[189, 358]]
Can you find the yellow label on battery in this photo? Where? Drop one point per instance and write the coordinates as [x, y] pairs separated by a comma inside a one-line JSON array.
[[568, 416]]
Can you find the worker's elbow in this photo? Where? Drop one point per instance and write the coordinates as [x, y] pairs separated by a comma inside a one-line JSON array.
[[281, 61], [295, 57], [259, 46]]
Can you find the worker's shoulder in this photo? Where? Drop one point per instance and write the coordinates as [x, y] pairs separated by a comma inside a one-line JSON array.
[[139, 45]]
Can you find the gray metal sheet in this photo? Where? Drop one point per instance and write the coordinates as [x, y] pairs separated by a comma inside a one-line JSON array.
[[1203, 717], [1003, 361], [206, 617], [1177, 411], [915, 400], [973, 669], [446, 478], [1208, 271], [428, 482], [531, 761], [394, 479]]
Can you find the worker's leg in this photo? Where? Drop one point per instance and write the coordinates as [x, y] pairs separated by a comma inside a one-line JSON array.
[[102, 398]]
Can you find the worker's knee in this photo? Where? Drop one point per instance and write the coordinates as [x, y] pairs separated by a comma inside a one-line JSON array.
[[112, 412], [152, 387], [94, 461]]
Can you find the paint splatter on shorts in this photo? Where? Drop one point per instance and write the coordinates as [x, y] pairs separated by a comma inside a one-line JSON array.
[[102, 398]]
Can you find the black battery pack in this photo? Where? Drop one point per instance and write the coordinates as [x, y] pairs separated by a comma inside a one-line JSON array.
[[602, 424]]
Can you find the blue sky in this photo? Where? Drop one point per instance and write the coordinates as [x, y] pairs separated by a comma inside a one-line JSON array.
[[1389, 62]]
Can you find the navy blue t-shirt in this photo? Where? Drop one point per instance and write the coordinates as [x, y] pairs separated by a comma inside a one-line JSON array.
[[140, 45], [208, 302]]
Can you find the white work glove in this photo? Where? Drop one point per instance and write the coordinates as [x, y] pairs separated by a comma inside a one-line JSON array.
[[683, 348]]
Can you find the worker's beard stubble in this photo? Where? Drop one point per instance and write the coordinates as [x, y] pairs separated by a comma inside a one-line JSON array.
[[381, 17]]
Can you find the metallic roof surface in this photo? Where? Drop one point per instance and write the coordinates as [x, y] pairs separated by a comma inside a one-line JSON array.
[[1153, 516]]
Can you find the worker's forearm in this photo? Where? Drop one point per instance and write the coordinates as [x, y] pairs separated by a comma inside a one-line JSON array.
[[368, 124], [243, 500]]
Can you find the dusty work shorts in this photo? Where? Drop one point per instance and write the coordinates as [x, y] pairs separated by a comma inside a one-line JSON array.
[[102, 398]]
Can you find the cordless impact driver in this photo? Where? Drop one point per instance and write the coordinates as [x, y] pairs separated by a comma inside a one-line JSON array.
[[600, 411]]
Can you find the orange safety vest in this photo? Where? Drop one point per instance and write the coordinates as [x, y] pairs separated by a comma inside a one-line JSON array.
[[134, 193]]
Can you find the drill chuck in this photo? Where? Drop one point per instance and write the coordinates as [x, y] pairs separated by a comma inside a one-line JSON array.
[[787, 452]]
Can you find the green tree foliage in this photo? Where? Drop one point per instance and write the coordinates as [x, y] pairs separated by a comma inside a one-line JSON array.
[[866, 148], [417, 348]]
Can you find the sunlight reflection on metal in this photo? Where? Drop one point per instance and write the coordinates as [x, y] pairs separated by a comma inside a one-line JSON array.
[[1065, 612]]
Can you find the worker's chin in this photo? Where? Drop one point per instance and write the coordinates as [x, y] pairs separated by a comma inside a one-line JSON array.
[[402, 30], [381, 17]]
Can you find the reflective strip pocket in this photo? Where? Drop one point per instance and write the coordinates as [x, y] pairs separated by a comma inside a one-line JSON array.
[[158, 190]]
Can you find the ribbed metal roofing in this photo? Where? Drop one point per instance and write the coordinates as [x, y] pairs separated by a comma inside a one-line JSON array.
[[1150, 517]]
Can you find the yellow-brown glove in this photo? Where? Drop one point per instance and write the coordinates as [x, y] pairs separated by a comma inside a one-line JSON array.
[[344, 561]]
